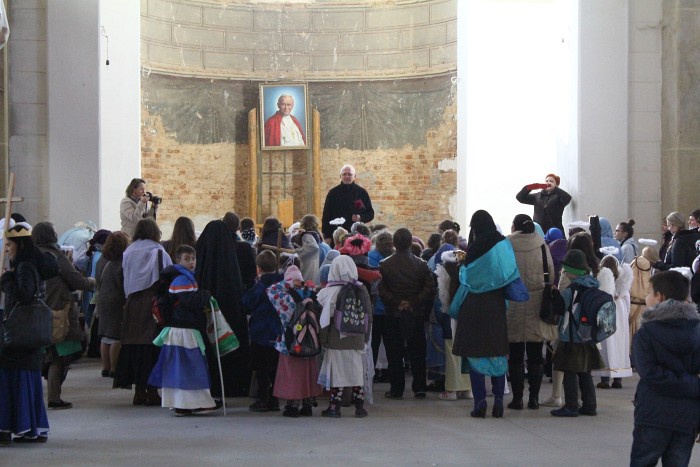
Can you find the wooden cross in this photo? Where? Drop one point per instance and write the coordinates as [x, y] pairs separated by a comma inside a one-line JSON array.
[[8, 211], [278, 249]]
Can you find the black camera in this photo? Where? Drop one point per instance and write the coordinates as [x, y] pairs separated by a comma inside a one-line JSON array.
[[154, 199]]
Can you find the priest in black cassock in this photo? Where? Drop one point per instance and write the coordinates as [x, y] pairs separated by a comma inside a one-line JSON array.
[[347, 200]]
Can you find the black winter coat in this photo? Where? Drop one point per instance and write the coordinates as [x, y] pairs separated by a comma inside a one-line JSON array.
[[666, 350], [681, 252], [344, 201], [20, 286], [549, 207]]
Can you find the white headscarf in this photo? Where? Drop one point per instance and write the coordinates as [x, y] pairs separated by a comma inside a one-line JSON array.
[[343, 270]]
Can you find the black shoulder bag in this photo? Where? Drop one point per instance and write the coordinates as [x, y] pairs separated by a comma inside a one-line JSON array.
[[552, 302], [28, 326]]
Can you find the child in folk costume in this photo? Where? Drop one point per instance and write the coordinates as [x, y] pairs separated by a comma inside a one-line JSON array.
[[343, 361], [296, 376], [181, 370]]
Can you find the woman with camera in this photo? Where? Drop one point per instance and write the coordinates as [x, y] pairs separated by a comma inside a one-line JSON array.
[[134, 206]]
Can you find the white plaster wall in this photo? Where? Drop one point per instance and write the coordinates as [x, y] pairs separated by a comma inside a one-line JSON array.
[[120, 110], [602, 114], [93, 109], [644, 153], [592, 159], [73, 109]]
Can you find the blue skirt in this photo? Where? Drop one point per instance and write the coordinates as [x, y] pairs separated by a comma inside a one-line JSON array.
[[22, 410]]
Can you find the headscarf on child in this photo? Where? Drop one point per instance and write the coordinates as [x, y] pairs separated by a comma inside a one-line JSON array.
[[343, 271]]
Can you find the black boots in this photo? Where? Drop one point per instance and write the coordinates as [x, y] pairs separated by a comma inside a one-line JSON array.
[[534, 378], [517, 383]]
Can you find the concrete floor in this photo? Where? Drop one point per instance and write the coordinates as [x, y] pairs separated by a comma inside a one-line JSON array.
[[104, 428]]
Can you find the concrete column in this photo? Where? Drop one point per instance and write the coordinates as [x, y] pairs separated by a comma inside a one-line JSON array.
[[93, 109]]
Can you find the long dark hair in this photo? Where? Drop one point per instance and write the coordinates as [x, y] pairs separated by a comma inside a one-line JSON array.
[[26, 248], [183, 234], [583, 241]]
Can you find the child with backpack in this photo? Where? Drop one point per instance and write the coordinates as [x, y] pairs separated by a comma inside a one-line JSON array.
[[345, 329], [298, 344], [181, 371], [575, 357], [264, 330], [666, 349]]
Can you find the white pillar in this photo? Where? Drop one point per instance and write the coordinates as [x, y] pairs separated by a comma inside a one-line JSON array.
[[93, 108]]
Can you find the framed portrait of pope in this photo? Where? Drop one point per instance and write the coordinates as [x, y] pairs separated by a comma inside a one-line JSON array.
[[283, 116]]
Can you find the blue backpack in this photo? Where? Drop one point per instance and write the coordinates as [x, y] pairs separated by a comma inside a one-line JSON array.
[[595, 315]]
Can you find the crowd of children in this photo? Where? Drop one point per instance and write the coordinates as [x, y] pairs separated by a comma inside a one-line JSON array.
[[317, 320]]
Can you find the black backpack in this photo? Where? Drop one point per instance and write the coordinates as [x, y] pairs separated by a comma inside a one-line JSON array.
[[353, 308], [301, 336]]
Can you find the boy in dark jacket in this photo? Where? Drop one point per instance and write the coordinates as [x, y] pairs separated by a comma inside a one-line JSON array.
[[264, 325], [666, 350]]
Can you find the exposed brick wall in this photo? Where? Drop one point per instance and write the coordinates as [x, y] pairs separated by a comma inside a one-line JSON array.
[[204, 181]]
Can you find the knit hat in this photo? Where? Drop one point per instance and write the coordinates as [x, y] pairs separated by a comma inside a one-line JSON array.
[[292, 274], [650, 253], [575, 263], [555, 177], [553, 234], [248, 235], [356, 245]]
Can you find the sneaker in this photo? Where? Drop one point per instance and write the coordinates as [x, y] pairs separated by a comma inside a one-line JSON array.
[[218, 405], [259, 406], [465, 394], [565, 412], [448, 396], [552, 402], [291, 411], [60, 405]]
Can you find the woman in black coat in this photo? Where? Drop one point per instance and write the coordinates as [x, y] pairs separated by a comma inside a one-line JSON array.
[[22, 410], [549, 202]]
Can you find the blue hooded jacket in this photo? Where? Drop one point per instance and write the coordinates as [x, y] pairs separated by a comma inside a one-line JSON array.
[[264, 323], [666, 350]]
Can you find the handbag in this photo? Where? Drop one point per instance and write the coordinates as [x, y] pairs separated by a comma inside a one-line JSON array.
[[552, 302], [516, 291], [28, 326], [61, 324]]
